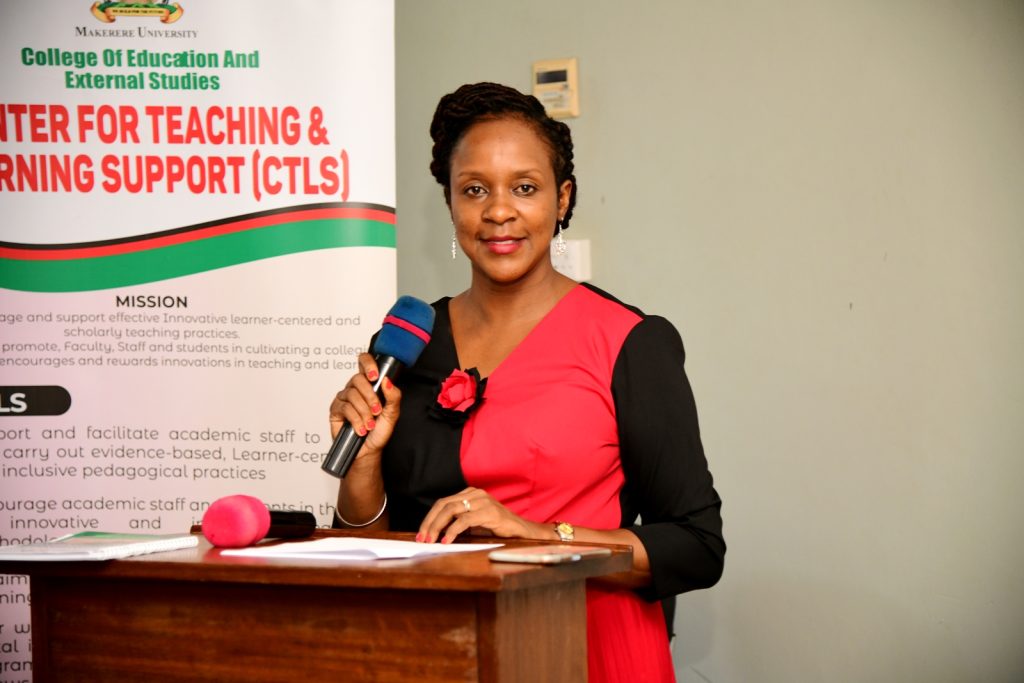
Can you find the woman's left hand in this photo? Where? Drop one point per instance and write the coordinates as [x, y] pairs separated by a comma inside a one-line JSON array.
[[475, 508]]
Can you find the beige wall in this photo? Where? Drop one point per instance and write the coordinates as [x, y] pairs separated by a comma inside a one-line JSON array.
[[827, 198]]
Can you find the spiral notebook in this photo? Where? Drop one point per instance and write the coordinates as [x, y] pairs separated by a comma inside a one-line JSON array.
[[97, 545]]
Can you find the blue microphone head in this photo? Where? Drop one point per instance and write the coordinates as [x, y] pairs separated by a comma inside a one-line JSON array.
[[406, 330]]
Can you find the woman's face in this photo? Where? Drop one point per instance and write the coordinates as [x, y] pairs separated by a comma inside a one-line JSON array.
[[504, 200]]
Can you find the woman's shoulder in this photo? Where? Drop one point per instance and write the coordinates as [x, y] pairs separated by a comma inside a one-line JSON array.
[[601, 301], [441, 312], [595, 293], [643, 327], [441, 304]]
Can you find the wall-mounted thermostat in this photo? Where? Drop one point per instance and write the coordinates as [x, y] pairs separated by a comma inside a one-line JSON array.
[[556, 85]]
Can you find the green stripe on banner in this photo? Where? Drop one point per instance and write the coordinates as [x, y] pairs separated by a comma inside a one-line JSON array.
[[163, 263]]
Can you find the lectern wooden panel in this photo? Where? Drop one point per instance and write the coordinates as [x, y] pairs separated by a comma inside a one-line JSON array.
[[194, 615]]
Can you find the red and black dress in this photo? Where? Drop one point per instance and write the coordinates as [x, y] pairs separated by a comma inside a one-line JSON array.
[[590, 420]]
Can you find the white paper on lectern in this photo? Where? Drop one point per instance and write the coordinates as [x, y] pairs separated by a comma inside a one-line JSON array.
[[351, 548]]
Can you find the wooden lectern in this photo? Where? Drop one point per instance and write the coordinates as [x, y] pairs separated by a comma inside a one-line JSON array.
[[195, 615]]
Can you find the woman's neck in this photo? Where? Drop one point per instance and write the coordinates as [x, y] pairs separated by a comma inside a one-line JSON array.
[[496, 304], [489, 321]]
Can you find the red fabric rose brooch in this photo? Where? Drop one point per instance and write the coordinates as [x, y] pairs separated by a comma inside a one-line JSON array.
[[458, 396]]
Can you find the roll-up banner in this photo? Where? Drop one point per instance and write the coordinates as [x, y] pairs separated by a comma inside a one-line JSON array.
[[197, 235]]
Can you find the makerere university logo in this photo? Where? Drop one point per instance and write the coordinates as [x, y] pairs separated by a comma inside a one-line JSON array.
[[167, 12]]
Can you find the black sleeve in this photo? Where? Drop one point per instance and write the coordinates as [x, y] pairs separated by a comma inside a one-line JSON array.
[[667, 478]]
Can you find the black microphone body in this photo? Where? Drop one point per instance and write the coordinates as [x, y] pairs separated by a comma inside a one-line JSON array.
[[291, 524], [348, 442]]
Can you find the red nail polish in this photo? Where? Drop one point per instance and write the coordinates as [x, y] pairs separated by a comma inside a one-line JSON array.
[[388, 384], [361, 432], [419, 537], [446, 540], [370, 424], [376, 409], [372, 375]]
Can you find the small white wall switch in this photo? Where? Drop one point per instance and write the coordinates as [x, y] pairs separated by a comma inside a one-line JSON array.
[[575, 262]]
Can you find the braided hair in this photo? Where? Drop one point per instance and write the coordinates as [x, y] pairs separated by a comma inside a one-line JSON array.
[[472, 103]]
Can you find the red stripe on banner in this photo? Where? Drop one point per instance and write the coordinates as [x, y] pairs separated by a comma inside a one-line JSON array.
[[408, 327], [144, 244]]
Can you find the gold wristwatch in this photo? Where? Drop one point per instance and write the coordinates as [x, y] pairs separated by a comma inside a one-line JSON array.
[[565, 531]]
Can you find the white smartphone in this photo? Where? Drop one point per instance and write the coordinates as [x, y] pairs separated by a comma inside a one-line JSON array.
[[547, 554]]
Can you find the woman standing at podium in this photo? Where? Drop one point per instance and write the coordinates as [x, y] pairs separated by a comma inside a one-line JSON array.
[[542, 408]]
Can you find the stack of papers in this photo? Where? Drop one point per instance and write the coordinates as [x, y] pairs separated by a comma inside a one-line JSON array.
[[351, 548], [97, 545]]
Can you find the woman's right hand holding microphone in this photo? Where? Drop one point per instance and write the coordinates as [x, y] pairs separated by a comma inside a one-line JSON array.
[[361, 500], [358, 405]]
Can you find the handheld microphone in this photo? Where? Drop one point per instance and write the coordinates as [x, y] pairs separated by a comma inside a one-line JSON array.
[[240, 520], [405, 333]]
